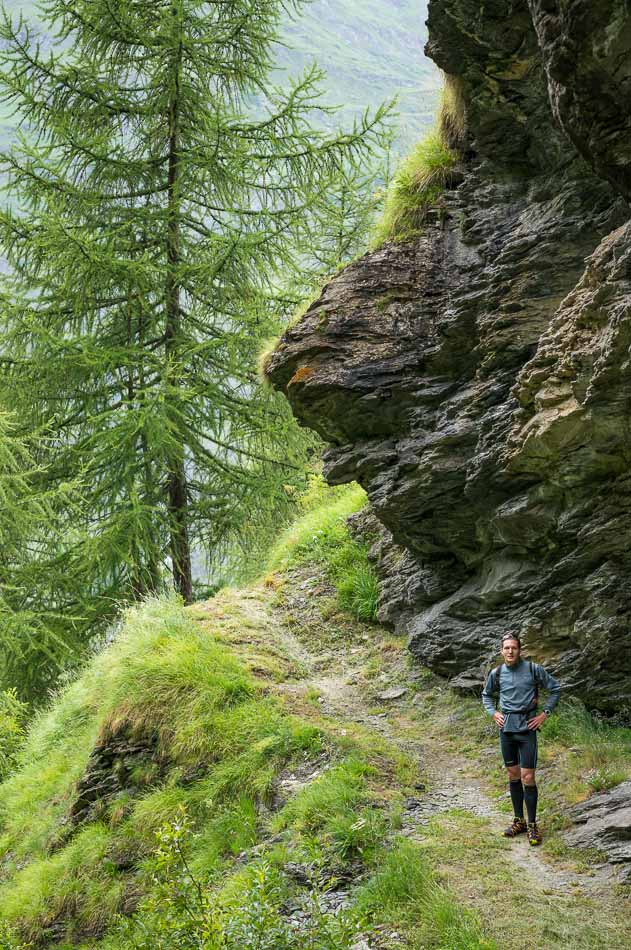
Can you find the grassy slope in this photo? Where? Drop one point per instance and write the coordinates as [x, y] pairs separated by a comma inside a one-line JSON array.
[[204, 689], [273, 778]]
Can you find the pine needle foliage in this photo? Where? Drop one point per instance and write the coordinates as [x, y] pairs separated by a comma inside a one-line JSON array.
[[154, 222], [37, 620]]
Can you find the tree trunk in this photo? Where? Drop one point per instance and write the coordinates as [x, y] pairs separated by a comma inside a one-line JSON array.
[[176, 477]]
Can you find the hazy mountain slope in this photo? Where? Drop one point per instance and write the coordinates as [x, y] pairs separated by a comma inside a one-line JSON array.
[[371, 50]]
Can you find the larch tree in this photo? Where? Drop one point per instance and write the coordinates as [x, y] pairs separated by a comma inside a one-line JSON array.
[[36, 639], [154, 220]]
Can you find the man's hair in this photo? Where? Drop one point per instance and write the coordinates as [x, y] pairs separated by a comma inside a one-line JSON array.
[[511, 636]]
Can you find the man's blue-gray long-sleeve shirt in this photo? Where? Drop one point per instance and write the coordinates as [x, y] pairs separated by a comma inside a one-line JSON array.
[[517, 692]]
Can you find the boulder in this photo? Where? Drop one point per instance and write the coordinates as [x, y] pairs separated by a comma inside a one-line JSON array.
[[604, 822]]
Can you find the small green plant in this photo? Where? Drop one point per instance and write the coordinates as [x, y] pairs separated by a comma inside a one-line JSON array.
[[417, 186], [185, 911]]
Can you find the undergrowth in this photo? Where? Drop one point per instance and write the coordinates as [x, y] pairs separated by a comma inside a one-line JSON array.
[[321, 536]]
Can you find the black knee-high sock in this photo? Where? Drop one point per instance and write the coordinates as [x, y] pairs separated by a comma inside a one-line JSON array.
[[517, 795], [531, 795]]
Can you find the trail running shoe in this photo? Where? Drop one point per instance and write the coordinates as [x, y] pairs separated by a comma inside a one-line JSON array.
[[518, 827], [534, 835]]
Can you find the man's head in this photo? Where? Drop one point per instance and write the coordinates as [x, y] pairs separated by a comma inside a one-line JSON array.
[[511, 648]]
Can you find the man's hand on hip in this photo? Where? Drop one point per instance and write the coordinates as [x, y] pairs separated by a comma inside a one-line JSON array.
[[536, 722], [499, 718]]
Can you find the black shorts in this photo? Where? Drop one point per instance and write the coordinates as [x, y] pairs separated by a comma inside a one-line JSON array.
[[519, 748]]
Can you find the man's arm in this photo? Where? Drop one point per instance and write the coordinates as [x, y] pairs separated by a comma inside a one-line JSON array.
[[489, 703], [548, 681], [487, 695]]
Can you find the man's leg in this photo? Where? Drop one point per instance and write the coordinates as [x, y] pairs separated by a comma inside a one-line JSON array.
[[510, 754], [516, 790], [528, 759], [531, 793]]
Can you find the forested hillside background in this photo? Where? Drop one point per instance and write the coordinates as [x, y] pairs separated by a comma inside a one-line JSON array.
[[371, 50]]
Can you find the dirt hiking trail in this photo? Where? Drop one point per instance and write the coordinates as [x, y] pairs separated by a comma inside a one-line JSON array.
[[359, 675]]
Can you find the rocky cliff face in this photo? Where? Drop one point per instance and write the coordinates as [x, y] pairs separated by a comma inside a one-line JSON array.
[[477, 382]]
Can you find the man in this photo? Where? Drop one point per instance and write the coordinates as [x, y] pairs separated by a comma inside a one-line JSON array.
[[517, 681]]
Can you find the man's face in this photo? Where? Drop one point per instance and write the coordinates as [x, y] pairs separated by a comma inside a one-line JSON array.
[[510, 651]]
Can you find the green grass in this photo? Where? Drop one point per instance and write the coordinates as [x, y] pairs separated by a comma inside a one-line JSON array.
[[601, 756], [166, 679], [321, 537], [337, 810], [221, 738], [404, 892], [416, 187], [475, 865]]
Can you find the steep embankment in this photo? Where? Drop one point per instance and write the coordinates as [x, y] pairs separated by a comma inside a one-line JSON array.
[[267, 769], [475, 380]]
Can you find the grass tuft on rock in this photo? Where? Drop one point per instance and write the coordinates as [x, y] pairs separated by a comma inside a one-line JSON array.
[[452, 114], [416, 188], [264, 358]]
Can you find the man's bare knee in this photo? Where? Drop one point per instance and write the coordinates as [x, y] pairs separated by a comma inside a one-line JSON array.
[[528, 776], [514, 772]]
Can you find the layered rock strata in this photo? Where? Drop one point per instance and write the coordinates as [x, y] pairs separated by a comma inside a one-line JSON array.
[[477, 381], [603, 822]]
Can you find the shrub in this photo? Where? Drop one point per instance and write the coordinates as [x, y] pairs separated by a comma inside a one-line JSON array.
[[186, 912]]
